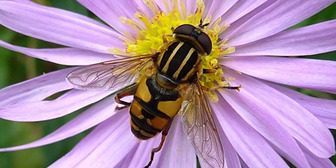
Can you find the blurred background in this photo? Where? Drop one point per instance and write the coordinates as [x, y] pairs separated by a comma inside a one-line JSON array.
[[16, 67]]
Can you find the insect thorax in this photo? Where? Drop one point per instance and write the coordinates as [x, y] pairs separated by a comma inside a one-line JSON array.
[[178, 62]]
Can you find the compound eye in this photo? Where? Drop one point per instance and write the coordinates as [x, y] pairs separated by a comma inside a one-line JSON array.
[[185, 29], [195, 33], [205, 42]]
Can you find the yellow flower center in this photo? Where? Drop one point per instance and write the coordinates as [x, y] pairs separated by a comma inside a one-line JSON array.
[[152, 32]]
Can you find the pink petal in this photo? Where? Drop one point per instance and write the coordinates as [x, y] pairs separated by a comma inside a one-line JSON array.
[[35, 89], [307, 73], [248, 107], [240, 9], [323, 109], [58, 26], [51, 109], [112, 12], [91, 117], [250, 146], [273, 19], [298, 121], [104, 147], [177, 150], [64, 56], [308, 40], [216, 8]]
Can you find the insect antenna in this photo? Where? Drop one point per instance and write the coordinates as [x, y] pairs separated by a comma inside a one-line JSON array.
[[201, 25]]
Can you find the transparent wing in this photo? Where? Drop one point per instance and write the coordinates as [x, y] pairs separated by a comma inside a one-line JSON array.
[[200, 127], [111, 74]]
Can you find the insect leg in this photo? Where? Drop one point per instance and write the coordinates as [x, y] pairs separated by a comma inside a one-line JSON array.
[[127, 91], [157, 149], [232, 87]]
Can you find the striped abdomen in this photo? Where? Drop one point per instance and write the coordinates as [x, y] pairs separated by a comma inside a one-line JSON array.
[[152, 108], [179, 61]]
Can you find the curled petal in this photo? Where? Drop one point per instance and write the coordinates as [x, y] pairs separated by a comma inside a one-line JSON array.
[[308, 40], [104, 147], [87, 119], [64, 56], [306, 73], [36, 89], [273, 19], [58, 26]]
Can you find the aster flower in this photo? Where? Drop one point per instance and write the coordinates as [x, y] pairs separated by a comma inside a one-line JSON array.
[[253, 46]]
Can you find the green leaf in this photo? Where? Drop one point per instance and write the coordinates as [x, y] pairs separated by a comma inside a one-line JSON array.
[[71, 5]]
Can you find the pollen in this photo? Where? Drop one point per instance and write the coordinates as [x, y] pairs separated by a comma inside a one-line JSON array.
[[155, 34]]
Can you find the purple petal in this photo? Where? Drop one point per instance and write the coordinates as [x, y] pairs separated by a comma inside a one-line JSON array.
[[112, 13], [140, 155], [297, 121], [231, 156], [64, 56], [51, 109], [164, 5], [91, 117], [250, 146], [58, 26], [309, 40], [273, 19], [36, 89], [177, 150], [249, 108], [216, 8], [318, 162], [191, 6], [240, 9], [243, 164], [323, 109], [307, 73], [104, 147], [143, 8]]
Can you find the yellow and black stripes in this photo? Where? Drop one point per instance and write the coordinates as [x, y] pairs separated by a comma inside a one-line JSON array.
[[152, 109], [178, 61]]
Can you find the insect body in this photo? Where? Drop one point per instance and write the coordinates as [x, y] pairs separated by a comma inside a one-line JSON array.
[[153, 108], [157, 99], [158, 96]]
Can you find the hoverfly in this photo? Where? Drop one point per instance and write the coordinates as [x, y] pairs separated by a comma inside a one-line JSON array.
[[171, 88]]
